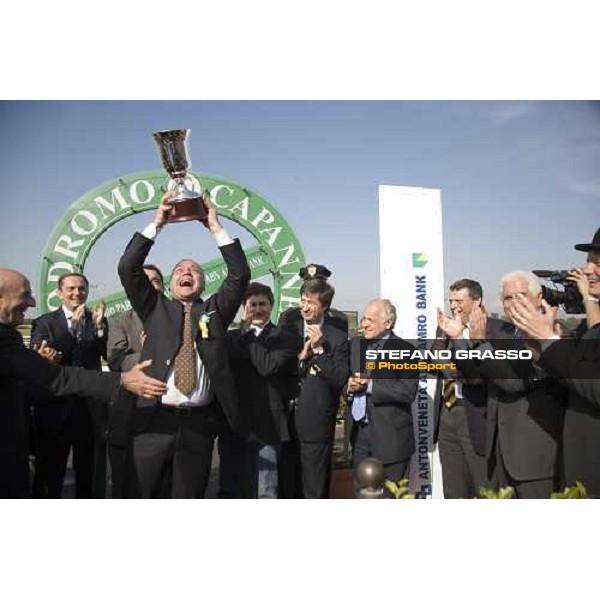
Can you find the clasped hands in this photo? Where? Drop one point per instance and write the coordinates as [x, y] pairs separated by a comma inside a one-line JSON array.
[[48, 352], [98, 313], [357, 384], [313, 343]]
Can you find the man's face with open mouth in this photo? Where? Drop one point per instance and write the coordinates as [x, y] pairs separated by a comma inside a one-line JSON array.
[[187, 280]]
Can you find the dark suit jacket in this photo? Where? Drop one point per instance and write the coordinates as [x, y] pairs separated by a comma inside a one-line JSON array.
[[54, 328], [475, 394], [321, 380], [124, 341], [259, 364], [577, 364], [20, 366], [162, 319], [389, 407], [524, 412]]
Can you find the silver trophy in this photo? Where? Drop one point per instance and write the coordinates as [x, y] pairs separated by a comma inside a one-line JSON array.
[[187, 203]]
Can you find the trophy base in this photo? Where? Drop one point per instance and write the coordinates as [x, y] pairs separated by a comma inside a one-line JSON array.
[[187, 209]]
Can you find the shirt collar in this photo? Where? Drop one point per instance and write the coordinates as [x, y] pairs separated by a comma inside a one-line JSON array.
[[68, 313], [382, 339], [320, 324]]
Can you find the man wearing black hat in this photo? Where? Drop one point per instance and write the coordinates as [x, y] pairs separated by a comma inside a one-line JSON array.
[[293, 317], [292, 320], [577, 364], [321, 370]]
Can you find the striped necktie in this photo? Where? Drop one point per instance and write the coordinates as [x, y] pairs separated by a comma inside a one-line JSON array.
[[77, 331], [449, 393]]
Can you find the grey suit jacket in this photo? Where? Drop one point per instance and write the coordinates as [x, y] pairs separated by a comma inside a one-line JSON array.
[[124, 341], [475, 393], [525, 413]]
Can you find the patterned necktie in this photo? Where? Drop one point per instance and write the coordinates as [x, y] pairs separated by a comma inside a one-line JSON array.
[[185, 361], [77, 331], [449, 393]]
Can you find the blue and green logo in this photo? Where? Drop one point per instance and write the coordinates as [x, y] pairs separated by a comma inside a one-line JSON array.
[[419, 260]]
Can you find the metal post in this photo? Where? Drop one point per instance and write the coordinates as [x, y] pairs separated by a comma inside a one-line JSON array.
[[370, 478]]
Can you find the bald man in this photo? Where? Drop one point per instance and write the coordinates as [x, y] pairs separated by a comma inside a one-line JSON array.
[[381, 409]]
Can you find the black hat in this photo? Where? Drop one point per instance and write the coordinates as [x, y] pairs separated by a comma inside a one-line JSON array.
[[314, 272], [595, 245]]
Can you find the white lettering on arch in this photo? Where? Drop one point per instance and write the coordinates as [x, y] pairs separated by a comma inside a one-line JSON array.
[[215, 195], [134, 191], [242, 208], [272, 233], [84, 217], [116, 196], [65, 245], [289, 251], [264, 216], [53, 301]]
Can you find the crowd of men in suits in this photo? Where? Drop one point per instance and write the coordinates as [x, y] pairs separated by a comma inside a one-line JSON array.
[[532, 424], [268, 395]]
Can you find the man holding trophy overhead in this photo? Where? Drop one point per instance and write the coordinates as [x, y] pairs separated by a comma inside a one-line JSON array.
[[186, 339]]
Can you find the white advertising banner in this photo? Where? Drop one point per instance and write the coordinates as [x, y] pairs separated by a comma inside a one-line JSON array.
[[412, 278]]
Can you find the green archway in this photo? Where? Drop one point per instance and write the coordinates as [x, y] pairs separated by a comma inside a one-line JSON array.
[[278, 251]]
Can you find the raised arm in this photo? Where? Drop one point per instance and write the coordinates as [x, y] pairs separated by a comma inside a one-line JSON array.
[[229, 297]]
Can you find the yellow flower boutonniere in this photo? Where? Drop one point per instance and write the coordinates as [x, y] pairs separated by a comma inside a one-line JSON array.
[[203, 324]]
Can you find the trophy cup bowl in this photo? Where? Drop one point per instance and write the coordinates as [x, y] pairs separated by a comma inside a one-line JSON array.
[[187, 204]]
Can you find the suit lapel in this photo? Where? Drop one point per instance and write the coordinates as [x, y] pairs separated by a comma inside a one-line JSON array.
[[355, 354], [87, 332], [393, 336], [175, 310], [327, 329], [267, 329], [137, 328], [197, 310]]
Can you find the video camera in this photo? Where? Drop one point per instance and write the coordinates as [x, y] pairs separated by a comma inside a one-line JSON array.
[[569, 297]]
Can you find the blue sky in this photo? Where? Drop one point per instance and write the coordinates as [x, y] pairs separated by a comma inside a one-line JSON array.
[[520, 180]]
